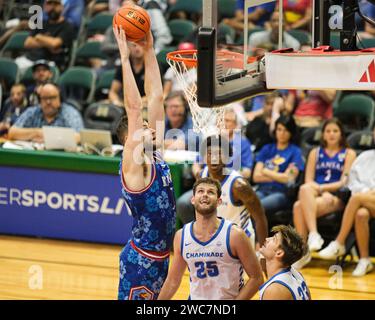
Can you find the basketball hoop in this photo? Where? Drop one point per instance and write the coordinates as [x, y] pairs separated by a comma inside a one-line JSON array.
[[207, 121]]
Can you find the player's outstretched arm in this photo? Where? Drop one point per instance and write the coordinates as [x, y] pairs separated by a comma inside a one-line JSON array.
[[132, 168], [176, 271], [241, 248], [242, 191], [154, 90]]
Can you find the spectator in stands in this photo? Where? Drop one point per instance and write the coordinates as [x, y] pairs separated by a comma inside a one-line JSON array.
[[137, 64], [297, 14], [42, 73], [179, 133], [159, 26], [52, 42], [313, 107], [262, 121], [8, 32], [110, 48], [359, 210], [50, 112], [326, 172], [96, 6], [13, 107], [278, 165], [258, 15], [365, 30], [73, 12], [269, 39], [242, 155]]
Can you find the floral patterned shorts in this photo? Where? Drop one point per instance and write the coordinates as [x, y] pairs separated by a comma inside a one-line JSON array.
[[141, 277]]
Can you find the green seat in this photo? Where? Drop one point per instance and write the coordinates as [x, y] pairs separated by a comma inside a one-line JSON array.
[[15, 43], [104, 84], [99, 23], [228, 31], [87, 51], [366, 43], [9, 73], [303, 37], [356, 111], [180, 28], [27, 77], [227, 8], [78, 83], [335, 40], [240, 40], [188, 6], [162, 58]]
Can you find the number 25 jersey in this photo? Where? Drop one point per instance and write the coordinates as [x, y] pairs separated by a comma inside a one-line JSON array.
[[215, 274]]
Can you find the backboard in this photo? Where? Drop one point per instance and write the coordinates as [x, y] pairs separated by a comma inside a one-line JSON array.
[[222, 81]]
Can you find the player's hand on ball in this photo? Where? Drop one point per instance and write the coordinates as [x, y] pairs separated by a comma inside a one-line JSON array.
[[119, 33], [147, 42]]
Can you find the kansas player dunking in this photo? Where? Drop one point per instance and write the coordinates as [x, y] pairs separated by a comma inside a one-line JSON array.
[[326, 171], [280, 252], [215, 251], [146, 182]]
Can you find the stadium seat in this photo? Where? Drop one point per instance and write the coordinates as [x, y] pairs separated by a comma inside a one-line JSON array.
[[9, 73], [302, 36], [104, 84], [103, 116], [228, 31], [88, 51], [227, 8], [310, 138], [356, 112], [180, 28], [78, 83], [192, 6], [99, 23], [361, 140], [27, 77], [240, 40], [162, 58], [15, 44]]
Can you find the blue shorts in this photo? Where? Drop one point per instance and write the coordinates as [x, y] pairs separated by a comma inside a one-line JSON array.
[[142, 274]]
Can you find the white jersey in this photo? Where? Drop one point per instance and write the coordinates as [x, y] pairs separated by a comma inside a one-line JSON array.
[[214, 273], [235, 212], [291, 279]]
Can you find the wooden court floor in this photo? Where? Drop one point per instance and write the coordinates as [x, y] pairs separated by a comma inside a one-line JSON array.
[[50, 269]]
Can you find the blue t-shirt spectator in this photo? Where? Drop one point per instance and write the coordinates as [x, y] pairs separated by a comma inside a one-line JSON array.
[[268, 7], [279, 160], [242, 154], [73, 12], [67, 117]]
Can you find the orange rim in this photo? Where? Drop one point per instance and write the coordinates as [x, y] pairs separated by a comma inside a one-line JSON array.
[[178, 56], [230, 59]]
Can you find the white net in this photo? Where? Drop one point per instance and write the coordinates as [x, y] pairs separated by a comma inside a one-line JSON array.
[[207, 121]]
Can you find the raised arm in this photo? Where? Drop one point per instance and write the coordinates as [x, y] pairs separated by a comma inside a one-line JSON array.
[[132, 165], [243, 192], [176, 271], [154, 91]]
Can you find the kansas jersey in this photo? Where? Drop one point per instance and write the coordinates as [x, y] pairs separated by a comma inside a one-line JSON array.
[[214, 273], [329, 169], [292, 280], [153, 208], [230, 210]]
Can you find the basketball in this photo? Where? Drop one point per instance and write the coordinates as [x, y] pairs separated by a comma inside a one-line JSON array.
[[134, 20]]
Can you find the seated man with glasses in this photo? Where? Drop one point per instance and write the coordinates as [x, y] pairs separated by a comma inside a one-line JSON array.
[[50, 112]]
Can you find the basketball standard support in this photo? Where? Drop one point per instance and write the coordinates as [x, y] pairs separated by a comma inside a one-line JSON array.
[[214, 90]]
